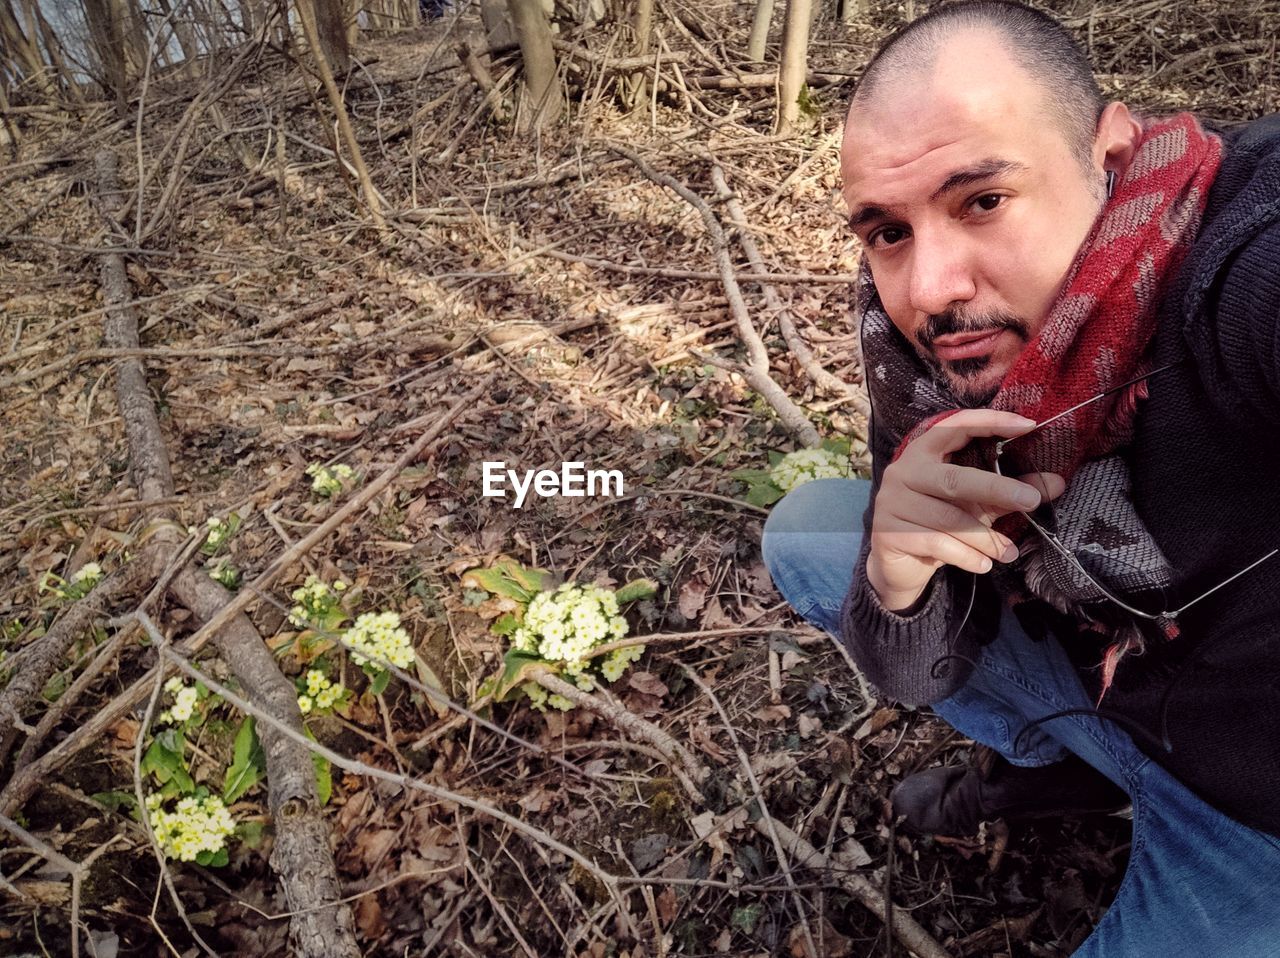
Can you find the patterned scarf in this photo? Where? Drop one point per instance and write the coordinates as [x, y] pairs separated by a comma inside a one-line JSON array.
[[1098, 335]]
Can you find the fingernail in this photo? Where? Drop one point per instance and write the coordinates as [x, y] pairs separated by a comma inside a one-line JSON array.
[[1028, 497], [1009, 554]]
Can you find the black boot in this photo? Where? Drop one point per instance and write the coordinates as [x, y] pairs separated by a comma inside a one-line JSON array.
[[953, 801]]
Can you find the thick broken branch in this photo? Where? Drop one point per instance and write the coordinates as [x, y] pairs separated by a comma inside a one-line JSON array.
[[820, 376]]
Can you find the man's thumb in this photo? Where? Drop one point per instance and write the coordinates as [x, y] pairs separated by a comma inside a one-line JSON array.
[[1050, 484]]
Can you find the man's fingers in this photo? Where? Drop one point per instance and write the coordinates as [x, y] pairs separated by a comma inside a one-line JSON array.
[[955, 432], [920, 543], [939, 516], [1050, 484], [956, 483]]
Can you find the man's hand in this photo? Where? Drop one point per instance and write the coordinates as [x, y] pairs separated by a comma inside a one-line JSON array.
[[931, 512]]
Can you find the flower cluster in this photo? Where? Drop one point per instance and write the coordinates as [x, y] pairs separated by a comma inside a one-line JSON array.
[[225, 574], [315, 603], [195, 825], [78, 586], [565, 625], [616, 662], [185, 698], [805, 465], [378, 635], [219, 533], [540, 698], [321, 694], [328, 481]]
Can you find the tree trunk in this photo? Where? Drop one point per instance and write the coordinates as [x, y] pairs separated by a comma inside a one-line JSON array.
[[107, 42], [851, 10], [543, 103], [331, 25], [307, 14], [642, 25], [759, 30], [795, 53], [22, 51], [186, 40], [497, 23]]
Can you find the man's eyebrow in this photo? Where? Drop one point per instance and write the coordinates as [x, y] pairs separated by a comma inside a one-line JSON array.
[[983, 170]]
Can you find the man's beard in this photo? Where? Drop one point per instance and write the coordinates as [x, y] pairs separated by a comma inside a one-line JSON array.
[[960, 376]]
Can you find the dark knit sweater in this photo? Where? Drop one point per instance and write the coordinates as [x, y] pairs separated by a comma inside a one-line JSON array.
[[1205, 466]]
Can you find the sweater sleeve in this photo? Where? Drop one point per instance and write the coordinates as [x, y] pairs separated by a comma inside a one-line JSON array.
[[1247, 322], [897, 650]]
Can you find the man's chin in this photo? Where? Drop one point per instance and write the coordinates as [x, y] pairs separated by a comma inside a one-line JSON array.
[[976, 390]]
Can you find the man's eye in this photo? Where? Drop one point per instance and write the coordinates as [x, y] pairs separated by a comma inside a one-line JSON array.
[[889, 234], [989, 201]]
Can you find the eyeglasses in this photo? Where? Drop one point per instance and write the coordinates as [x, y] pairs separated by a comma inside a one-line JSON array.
[[1093, 563]]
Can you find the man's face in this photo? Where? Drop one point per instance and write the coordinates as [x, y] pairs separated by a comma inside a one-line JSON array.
[[971, 205]]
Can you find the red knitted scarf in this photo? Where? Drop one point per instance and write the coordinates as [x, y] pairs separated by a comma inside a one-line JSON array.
[[1098, 335]]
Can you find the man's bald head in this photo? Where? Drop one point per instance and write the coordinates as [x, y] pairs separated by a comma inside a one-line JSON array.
[[1034, 41]]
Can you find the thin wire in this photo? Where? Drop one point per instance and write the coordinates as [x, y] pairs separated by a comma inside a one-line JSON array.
[[1070, 555]]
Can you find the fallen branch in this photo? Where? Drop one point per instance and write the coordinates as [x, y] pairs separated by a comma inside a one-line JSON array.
[[679, 758], [907, 930], [819, 376]]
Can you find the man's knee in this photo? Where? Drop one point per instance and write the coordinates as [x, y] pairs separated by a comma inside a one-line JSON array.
[[798, 532]]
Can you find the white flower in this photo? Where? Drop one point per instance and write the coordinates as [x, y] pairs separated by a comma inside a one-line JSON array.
[[378, 635], [195, 825], [565, 625], [805, 465], [89, 573], [328, 481], [314, 601], [184, 704]]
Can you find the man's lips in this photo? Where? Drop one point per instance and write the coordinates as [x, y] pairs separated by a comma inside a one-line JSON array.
[[965, 345]]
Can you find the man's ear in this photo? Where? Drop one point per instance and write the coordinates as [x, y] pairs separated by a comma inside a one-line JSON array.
[[1117, 138]]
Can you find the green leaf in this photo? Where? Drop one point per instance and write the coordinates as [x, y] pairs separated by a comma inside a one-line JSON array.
[[744, 919], [533, 580], [841, 447], [324, 773], [163, 760], [505, 624], [213, 859], [764, 494], [250, 833], [507, 577], [115, 800], [775, 457], [636, 589], [516, 666], [248, 765], [380, 682]]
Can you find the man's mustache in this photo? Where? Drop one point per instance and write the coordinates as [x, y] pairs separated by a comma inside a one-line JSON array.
[[952, 321]]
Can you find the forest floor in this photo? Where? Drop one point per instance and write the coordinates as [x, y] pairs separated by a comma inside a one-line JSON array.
[[280, 331]]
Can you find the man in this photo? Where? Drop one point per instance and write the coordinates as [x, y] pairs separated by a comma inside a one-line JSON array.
[[1071, 336]]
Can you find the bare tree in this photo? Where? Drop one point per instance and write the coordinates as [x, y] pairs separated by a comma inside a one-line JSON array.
[[372, 200], [795, 55], [759, 30], [331, 25], [106, 39], [543, 101], [22, 51]]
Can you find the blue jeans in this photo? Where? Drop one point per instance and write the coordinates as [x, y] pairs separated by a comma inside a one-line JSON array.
[[1198, 883]]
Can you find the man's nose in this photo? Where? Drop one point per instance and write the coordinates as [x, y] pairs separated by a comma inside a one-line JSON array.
[[940, 275]]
